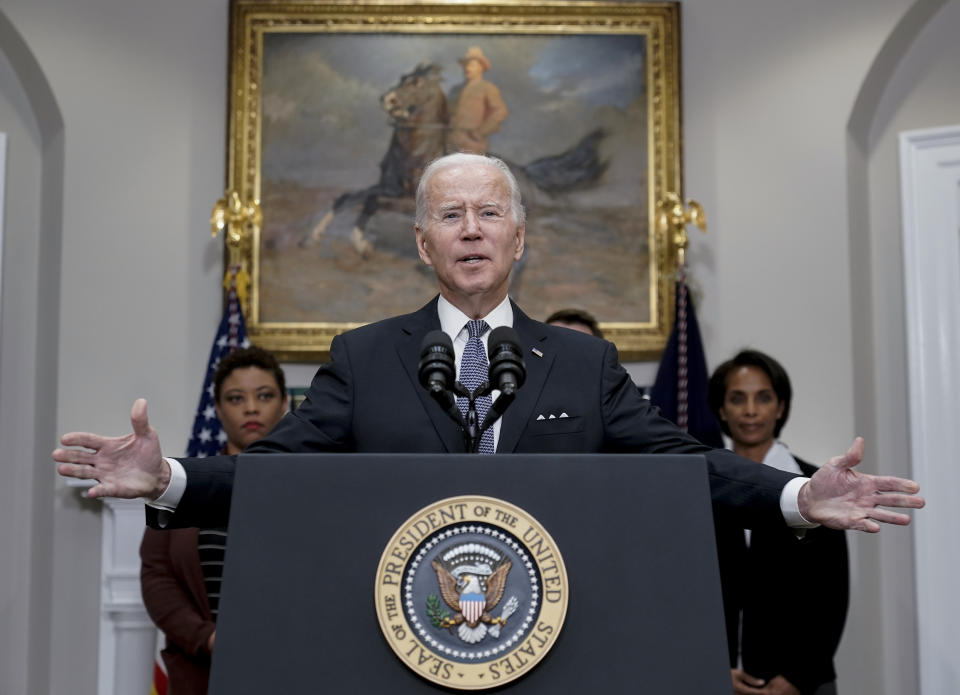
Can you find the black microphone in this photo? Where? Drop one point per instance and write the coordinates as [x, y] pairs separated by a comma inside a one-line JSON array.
[[507, 370], [437, 368], [437, 373]]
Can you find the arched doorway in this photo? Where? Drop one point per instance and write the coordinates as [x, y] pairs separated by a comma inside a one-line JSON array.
[[29, 337]]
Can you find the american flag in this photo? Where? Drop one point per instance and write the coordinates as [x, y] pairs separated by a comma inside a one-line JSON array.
[[680, 390], [208, 437], [160, 678]]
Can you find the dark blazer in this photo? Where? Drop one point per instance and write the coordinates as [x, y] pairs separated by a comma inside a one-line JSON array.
[[368, 399], [171, 581], [792, 595]]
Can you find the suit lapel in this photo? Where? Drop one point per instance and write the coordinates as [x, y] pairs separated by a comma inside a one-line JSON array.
[[532, 336], [408, 350]]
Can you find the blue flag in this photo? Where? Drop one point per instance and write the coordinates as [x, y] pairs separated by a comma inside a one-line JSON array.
[[680, 390], [208, 437]]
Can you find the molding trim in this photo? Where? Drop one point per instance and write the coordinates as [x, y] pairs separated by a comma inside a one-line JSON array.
[[127, 635], [930, 196]]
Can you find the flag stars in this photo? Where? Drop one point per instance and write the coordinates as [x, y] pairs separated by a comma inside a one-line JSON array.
[[208, 436]]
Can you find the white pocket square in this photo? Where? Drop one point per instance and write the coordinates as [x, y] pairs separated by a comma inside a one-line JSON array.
[[541, 416]]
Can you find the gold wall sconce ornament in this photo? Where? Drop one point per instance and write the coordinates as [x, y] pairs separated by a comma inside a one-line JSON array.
[[672, 220], [240, 223]]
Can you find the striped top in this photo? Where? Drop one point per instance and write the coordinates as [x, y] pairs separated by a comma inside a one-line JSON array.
[[212, 547]]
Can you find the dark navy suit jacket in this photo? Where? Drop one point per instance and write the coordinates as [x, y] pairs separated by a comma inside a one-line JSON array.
[[785, 599], [368, 399]]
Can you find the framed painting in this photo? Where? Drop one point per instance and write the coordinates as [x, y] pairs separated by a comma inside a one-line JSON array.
[[336, 107]]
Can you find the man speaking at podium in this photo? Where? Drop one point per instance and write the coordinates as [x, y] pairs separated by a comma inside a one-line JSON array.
[[576, 398]]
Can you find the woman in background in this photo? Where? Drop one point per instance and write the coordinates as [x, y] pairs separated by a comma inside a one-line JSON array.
[[785, 597], [181, 569]]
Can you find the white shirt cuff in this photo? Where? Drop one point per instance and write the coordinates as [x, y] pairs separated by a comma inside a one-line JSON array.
[[178, 483], [790, 504]]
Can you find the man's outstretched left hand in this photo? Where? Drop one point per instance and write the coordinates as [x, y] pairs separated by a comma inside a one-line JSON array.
[[839, 497]]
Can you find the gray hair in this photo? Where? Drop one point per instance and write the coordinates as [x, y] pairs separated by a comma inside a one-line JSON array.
[[462, 159]]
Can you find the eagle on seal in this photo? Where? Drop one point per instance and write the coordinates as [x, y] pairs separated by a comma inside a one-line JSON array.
[[466, 596]]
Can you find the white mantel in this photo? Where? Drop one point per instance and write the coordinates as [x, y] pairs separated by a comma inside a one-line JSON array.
[[127, 635]]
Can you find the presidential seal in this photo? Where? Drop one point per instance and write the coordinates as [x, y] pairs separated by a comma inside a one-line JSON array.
[[471, 592]]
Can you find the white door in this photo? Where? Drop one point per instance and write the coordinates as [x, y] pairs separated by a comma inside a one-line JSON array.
[[930, 189], [3, 169]]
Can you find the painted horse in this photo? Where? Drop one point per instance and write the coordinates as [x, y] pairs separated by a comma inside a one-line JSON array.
[[417, 109]]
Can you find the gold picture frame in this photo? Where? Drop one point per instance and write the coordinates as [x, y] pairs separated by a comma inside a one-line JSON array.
[[321, 94]]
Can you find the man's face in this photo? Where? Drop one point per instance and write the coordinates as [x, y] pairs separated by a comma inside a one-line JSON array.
[[472, 68], [470, 237]]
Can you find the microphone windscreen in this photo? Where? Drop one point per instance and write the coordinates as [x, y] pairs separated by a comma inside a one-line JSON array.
[[437, 369], [507, 369], [436, 341], [504, 338]]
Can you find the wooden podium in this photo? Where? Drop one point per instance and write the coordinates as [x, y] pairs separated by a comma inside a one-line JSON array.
[[307, 531]]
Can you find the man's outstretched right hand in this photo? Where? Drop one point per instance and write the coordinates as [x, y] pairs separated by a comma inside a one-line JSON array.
[[129, 467]]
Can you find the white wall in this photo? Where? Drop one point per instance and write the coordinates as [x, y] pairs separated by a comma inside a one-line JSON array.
[[142, 89], [922, 92], [769, 88], [28, 368], [17, 331]]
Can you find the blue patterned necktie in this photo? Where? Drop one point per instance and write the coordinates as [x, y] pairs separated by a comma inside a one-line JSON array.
[[473, 372]]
